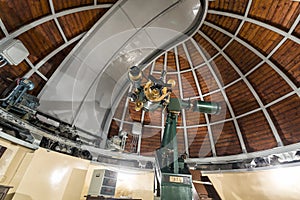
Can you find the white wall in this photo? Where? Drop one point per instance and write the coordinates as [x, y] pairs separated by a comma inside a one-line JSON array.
[[281, 183], [48, 175]]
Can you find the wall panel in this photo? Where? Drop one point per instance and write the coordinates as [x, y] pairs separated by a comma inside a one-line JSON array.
[[280, 14], [41, 40], [287, 58], [63, 5], [229, 24], [199, 145], [262, 39], [206, 80], [226, 140], [15, 14], [218, 37], [150, 141], [224, 71], [237, 7], [268, 84], [257, 133], [182, 59], [208, 50], [241, 98], [76, 23], [242, 56], [286, 117]]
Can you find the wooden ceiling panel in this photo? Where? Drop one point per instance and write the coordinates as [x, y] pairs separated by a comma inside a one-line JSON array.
[[15, 14], [218, 37], [208, 50], [206, 80], [41, 40], [229, 24], [237, 7], [242, 56], [106, 1], [132, 115], [188, 83], [194, 54], [52, 64], [199, 144], [297, 31], [120, 109], [63, 5], [225, 138], [286, 117], [264, 40], [287, 59], [9, 75], [224, 112], [171, 63], [180, 141], [151, 139], [257, 133], [241, 98], [224, 71], [128, 145], [113, 129], [153, 117], [281, 14], [159, 63], [79, 22], [182, 59], [268, 84], [194, 118], [146, 71], [38, 82]]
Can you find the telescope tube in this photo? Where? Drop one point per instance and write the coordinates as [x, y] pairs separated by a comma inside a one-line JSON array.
[[206, 107]]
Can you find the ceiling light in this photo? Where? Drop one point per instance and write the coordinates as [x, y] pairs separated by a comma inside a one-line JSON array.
[[13, 51]]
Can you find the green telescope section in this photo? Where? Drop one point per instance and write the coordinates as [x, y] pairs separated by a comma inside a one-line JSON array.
[[201, 106], [206, 107]]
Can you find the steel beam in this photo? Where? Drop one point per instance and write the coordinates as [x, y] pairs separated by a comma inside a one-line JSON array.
[[27, 27], [185, 133], [56, 21], [210, 134], [255, 51], [259, 23], [254, 93]]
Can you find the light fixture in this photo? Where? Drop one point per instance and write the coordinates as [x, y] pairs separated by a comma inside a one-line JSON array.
[[12, 52]]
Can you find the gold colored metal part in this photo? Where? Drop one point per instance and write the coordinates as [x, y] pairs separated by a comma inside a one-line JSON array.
[[138, 106], [165, 104], [172, 82], [154, 95]]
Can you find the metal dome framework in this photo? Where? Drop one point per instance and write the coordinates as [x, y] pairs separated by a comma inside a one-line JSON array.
[[264, 108], [225, 28]]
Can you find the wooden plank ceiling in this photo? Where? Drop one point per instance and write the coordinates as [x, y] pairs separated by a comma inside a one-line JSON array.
[[245, 56], [48, 38]]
